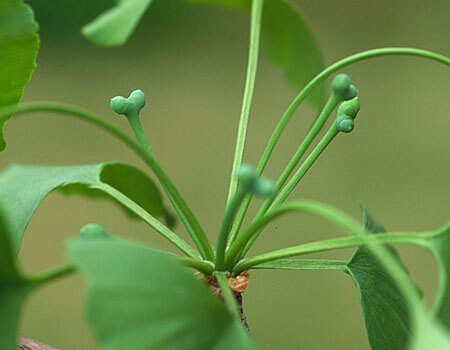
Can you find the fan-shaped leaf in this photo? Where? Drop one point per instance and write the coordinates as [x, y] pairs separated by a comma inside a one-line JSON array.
[[114, 26], [19, 44], [22, 188], [142, 297], [384, 308], [288, 42], [13, 291], [441, 250]]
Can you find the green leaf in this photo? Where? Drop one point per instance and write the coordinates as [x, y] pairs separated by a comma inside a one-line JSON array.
[[141, 297], [243, 4], [288, 42], [114, 26], [285, 36], [429, 334], [128, 180], [22, 188], [441, 250], [13, 291], [19, 44], [384, 308]]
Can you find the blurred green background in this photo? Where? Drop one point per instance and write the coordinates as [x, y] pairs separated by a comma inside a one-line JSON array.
[[190, 61]]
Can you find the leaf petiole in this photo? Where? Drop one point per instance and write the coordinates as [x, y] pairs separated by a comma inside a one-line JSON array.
[[414, 238], [361, 56], [331, 104], [130, 107], [255, 29], [228, 296], [82, 114], [52, 275]]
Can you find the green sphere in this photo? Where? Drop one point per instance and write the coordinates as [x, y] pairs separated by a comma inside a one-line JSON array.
[[246, 175], [344, 123], [350, 107], [93, 231], [352, 92], [341, 84], [120, 105], [137, 97], [264, 187]]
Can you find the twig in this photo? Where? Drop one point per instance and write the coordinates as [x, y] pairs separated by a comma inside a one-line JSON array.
[[30, 344]]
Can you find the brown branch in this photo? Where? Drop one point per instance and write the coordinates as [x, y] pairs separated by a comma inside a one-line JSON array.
[[238, 285], [30, 344], [238, 297]]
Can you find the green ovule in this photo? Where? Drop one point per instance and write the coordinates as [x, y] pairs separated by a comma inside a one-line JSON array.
[[252, 182], [347, 112], [248, 182], [128, 106], [94, 231], [341, 87]]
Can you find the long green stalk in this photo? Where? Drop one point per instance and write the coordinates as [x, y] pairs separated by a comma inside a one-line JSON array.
[[224, 230], [193, 227], [361, 56], [228, 297], [82, 114], [416, 238], [52, 275], [327, 212], [304, 145], [255, 29], [389, 51], [292, 183]]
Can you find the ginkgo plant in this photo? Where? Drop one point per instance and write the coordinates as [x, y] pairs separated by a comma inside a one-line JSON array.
[[143, 298]]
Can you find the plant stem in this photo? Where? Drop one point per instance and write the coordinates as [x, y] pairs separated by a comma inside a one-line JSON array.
[[201, 266], [364, 55], [337, 217], [292, 183], [309, 87], [228, 296], [73, 111], [316, 208], [255, 29], [415, 238], [24, 343], [162, 229], [52, 275], [193, 227], [309, 161], [224, 230], [313, 132]]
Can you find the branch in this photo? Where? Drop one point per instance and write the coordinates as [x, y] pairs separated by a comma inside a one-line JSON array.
[[30, 344]]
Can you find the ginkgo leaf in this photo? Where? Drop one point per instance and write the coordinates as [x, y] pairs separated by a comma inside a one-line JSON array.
[[13, 291], [288, 42], [114, 26], [286, 38], [139, 296], [429, 334], [385, 310], [19, 44], [440, 246], [22, 188]]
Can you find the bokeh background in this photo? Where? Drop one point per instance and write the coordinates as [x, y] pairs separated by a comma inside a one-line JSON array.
[[190, 60]]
